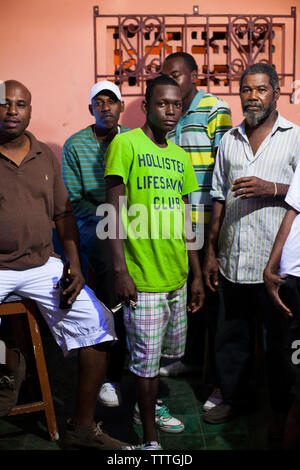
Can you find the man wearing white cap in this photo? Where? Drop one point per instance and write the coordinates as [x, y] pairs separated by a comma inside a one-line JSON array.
[[83, 174]]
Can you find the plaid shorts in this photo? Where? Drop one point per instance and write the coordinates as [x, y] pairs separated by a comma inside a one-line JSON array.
[[155, 328]]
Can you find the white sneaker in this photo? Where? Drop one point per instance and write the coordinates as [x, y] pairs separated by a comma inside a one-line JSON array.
[[109, 394], [177, 368], [213, 400], [164, 421], [152, 445]]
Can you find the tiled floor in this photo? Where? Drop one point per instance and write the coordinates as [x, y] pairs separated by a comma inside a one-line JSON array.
[[184, 396]]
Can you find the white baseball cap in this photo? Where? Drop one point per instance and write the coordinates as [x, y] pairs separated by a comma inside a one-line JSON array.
[[105, 85]]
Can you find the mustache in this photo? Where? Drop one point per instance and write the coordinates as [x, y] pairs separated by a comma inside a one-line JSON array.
[[253, 103]]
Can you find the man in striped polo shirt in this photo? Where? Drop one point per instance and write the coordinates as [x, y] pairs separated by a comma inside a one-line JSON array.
[[205, 119], [254, 167], [83, 173]]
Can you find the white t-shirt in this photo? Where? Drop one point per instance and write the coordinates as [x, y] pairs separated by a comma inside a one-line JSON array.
[[290, 258]]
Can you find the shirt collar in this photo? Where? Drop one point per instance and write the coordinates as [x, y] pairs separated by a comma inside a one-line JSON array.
[[280, 123], [35, 147], [194, 104]]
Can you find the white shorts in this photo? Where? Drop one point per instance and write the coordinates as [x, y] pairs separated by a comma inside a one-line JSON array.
[[86, 323]]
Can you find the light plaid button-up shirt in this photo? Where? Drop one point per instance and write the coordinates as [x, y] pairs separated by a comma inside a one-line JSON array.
[[251, 225]]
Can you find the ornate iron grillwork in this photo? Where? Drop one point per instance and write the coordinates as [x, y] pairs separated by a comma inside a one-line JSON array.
[[129, 49]]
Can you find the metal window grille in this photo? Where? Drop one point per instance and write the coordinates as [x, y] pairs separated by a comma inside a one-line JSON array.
[[130, 49]]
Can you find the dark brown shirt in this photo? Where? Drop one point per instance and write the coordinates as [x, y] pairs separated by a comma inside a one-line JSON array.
[[32, 196]]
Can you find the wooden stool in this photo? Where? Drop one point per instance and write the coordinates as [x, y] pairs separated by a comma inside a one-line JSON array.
[[14, 305]]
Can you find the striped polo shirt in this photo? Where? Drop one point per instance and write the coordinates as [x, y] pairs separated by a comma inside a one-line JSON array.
[[250, 225], [83, 172], [199, 133]]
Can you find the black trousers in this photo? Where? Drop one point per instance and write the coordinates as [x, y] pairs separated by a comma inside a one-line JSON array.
[[235, 340]]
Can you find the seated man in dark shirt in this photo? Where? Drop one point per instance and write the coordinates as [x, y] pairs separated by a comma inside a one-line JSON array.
[[32, 195]]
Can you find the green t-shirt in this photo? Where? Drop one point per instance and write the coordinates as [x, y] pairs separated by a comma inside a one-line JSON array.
[[155, 180]]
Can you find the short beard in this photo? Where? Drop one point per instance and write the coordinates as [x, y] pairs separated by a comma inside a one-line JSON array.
[[254, 119]]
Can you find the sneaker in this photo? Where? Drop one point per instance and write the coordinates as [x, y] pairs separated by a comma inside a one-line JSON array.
[[215, 398], [10, 386], [92, 437], [109, 394], [164, 421], [220, 414], [152, 445], [177, 368]]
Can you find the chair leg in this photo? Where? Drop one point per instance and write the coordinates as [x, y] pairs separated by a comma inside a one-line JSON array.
[[23, 341], [43, 375]]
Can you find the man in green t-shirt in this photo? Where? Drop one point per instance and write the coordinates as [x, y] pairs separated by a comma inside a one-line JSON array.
[[150, 258]]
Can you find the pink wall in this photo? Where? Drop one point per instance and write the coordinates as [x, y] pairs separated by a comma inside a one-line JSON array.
[[48, 45]]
